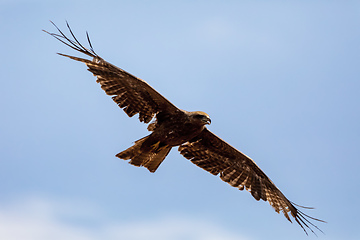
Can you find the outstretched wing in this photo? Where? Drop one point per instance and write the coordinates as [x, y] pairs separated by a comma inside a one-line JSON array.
[[217, 157], [130, 93]]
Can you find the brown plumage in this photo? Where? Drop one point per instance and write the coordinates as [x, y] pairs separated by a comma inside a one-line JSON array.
[[174, 127]]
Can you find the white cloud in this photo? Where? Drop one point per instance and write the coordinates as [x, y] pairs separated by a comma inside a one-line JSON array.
[[40, 219]]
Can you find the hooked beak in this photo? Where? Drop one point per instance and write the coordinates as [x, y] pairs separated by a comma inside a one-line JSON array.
[[207, 121]]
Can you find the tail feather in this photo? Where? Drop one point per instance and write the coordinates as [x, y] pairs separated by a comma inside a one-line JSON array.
[[155, 159], [132, 151], [151, 159]]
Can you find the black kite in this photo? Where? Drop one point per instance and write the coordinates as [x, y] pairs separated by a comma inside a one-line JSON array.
[[175, 127]]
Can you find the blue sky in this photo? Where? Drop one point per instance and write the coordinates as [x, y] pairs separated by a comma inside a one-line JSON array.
[[280, 81]]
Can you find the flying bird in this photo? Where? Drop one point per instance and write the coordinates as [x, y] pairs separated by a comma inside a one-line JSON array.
[[172, 127]]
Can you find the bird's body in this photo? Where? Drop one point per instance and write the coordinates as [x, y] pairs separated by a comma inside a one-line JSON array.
[[174, 127], [180, 127], [167, 132]]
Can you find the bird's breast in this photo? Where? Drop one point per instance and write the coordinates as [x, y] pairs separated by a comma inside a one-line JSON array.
[[179, 134]]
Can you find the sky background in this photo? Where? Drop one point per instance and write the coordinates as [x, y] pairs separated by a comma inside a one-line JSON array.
[[279, 79]]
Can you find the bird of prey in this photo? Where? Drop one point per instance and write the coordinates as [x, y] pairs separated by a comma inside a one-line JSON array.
[[173, 127]]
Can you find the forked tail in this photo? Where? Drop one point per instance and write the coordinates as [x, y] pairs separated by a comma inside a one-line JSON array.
[[149, 158]]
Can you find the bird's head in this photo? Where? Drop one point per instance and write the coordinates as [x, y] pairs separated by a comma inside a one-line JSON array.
[[200, 117]]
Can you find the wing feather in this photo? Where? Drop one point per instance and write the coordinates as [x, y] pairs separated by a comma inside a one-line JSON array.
[[130, 93], [216, 156]]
